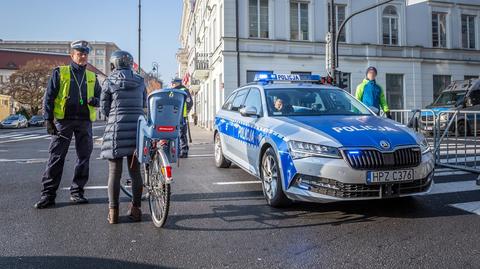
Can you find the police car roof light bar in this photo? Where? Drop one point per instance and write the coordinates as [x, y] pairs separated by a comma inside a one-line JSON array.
[[270, 78]]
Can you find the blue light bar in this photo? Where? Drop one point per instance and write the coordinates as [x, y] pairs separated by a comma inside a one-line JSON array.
[[266, 77], [353, 152]]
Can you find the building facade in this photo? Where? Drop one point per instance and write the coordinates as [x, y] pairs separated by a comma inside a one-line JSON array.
[[99, 56], [418, 49]]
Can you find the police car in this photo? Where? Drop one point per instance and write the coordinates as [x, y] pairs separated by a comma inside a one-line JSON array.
[[314, 142]]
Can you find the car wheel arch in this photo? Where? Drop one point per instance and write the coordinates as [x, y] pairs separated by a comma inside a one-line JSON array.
[[263, 148]]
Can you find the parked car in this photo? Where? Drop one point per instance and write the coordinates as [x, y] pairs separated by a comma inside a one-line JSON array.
[[36, 120], [15, 121], [461, 95]]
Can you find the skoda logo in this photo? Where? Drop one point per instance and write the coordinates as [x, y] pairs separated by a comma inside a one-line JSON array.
[[384, 144], [170, 95]]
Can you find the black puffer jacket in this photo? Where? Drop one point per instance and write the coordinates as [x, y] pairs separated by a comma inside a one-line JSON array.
[[122, 101]]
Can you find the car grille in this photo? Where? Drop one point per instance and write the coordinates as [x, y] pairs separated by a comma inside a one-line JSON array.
[[374, 159], [338, 189], [427, 118]]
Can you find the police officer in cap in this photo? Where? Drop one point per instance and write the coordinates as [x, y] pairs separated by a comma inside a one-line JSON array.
[[70, 100], [177, 84]]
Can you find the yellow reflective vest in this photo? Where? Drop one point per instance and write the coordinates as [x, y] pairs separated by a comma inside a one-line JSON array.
[[61, 100]]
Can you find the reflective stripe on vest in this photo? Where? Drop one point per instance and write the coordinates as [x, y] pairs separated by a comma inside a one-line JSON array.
[[185, 112], [63, 92]]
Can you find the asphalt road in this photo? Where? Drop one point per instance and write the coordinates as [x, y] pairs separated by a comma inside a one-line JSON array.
[[219, 219]]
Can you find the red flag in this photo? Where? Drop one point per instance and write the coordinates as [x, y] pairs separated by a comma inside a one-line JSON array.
[[186, 79], [135, 66]]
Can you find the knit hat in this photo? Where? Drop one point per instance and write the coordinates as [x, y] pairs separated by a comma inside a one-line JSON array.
[[371, 68]]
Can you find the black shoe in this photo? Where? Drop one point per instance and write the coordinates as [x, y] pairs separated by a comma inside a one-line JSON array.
[[45, 202], [183, 156], [78, 199]]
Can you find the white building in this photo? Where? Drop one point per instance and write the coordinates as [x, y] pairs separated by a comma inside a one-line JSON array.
[[417, 49], [99, 56]]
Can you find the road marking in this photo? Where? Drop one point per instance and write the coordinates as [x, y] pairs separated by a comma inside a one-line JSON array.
[[472, 207], [452, 187], [201, 155], [237, 182], [24, 139], [89, 188], [40, 160], [451, 173]]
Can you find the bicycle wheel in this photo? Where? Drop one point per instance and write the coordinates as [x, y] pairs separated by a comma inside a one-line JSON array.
[[159, 191]]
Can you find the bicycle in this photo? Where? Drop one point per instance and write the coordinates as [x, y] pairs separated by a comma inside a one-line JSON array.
[[157, 147]]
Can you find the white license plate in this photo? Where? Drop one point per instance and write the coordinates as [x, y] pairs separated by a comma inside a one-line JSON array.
[[389, 176]]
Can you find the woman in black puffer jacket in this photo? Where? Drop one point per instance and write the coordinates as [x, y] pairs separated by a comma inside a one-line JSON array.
[[123, 100]]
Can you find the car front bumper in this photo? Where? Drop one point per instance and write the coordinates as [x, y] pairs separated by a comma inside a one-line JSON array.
[[10, 125], [325, 180]]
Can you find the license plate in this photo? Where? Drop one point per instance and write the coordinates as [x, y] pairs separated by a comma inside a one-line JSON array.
[[389, 176]]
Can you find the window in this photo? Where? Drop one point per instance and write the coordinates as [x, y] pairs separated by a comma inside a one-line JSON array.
[[390, 26], [312, 102], [440, 82], [99, 62], [394, 91], [99, 52], [214, 34], [298, 21], [339, 18], [439, 30], [258, 18], [468, 31], [251, 75], [254, 99], [238, 101], [474, 98], [467, 77]]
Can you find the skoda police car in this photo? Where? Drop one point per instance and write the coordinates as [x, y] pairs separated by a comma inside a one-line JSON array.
[[314, 142]]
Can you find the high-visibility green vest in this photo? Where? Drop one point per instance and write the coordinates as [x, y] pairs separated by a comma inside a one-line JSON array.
[[185, 112], [63, 93]]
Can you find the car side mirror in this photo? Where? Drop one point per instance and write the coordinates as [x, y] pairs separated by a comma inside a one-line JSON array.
[[467, 102], [248, 111]]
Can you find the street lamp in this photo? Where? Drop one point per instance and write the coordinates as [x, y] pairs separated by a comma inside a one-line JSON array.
[[139, 32]]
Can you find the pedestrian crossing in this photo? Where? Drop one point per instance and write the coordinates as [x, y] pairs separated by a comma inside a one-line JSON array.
[[12, 137]]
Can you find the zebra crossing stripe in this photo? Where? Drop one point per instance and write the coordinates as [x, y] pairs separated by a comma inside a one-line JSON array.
[[31, 137], [472, 207]]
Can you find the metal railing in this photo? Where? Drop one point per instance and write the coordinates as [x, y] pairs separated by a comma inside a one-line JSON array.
[[453, 134]]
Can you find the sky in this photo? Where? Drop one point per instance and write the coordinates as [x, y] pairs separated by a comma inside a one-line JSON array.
[[101, 20]]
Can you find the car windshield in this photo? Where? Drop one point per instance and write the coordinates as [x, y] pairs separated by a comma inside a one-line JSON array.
[[37, 117], [312, 102], [450, 98], [13, 117]]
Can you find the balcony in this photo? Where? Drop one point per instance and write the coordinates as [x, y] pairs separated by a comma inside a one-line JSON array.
[[201, 66], [194, 85]]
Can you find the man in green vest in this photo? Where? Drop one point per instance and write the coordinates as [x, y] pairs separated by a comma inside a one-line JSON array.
[[177, 84], [69, 104]]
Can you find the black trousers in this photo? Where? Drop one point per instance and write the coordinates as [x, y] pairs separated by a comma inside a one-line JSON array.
[[183, 138], [115, 173], [82, 130]]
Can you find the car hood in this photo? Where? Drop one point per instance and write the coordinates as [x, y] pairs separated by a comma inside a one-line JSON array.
[[10, 121], [355, 131]]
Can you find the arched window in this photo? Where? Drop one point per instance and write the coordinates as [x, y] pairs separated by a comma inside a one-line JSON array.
[[390, 26]]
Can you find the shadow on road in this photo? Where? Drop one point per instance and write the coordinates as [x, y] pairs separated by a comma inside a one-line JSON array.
[[53, 262], [250, 215]]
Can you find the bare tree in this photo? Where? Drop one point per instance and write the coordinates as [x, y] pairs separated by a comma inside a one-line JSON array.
[[27, 85]]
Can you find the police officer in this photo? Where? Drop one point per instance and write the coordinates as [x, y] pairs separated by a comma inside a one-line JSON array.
[[69, 104], [372, 94], [177, 84]]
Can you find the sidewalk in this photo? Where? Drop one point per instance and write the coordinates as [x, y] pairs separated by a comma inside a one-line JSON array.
[[200, 135]]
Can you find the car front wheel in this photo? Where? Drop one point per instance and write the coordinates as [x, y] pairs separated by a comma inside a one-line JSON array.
[[271, 177], [220, 160]]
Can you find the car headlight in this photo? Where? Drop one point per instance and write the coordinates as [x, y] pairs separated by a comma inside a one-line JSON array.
[[425, 146], [300, 150], [444, 117]]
